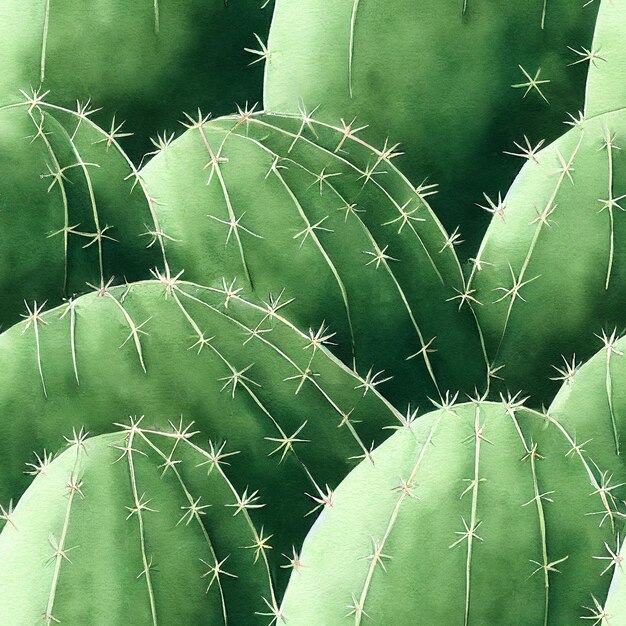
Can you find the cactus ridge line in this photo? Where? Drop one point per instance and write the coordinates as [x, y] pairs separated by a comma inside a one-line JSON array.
[[355, 8]]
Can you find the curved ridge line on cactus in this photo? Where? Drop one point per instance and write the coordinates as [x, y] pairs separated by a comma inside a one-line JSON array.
[[601, 491], [44, 42], [234, 221], [59, 555], [82, 165], [128, 452], [532, 454], [355, 8], [611, 203], [135, 329], [168, 463], [473, 524], [309, 229], [609, 346], [518, 282], [369, 176], [405, 492], [72, 311], [58, 178], [303, 375], [36, 99]]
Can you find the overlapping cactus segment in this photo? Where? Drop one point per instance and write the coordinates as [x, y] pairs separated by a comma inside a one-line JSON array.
[[606, 88], [133, 528], [455, 81], [553, 261], [147, 60], [481, 513], [289, 203], [67, 214], [165, 348], [593, 402]]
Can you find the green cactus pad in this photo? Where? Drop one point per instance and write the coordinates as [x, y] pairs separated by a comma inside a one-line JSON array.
[[72, 209], [133, 528], [457, 82], [552, 267], [167, 348], [145, 61], [479, 514], [286, 202], [592, 402], [606, 89]]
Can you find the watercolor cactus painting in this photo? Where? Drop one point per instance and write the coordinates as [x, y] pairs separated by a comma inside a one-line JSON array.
[[312, 312]]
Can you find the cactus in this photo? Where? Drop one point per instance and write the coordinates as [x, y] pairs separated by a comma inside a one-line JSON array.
[[146, 60], [552, 268], [456, 82], [131, 528], [593, 400], [287, 202], [166, 348], [482, 513], [67, 215], [614, 610]]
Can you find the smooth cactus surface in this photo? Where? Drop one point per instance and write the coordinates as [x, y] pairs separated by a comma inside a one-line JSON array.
[[552, 267], [167, 348], [72, 210], [308, 210], [483, 513], [146, 61], [134, 527], [456, 82]]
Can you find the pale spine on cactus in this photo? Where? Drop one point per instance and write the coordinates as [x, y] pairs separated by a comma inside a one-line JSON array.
[[479, 513], [168, 347], [551, 268], [135, 527], [290, 203], [73, 209], [146, 61], [433, 77]]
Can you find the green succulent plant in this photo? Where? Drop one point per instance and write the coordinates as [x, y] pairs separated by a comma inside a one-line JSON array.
[[543, 301], [167, 349], [291, 300], [290, 203], [456, 82], [67, 214], [134, 527], [144, 61], [482, 513]]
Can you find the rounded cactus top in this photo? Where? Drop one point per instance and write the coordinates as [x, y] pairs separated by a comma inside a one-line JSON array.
[[477, 514]]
